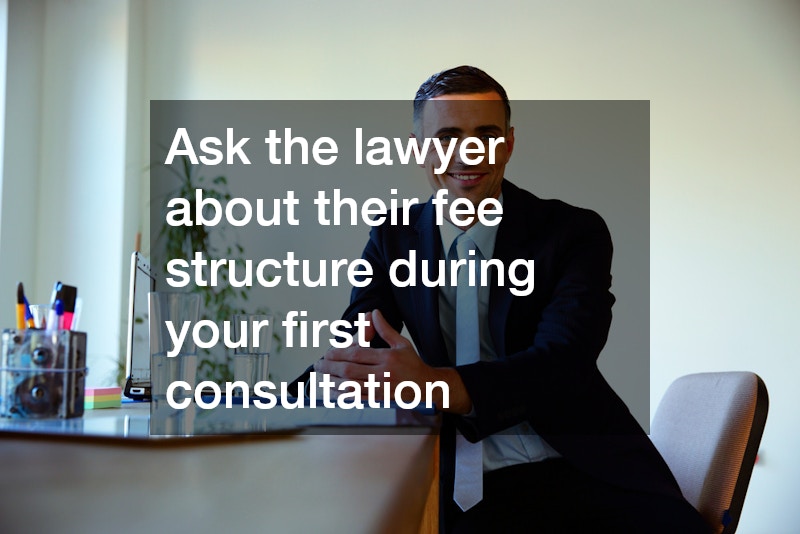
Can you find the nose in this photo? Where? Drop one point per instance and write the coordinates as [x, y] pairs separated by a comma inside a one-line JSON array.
[[469, 152]]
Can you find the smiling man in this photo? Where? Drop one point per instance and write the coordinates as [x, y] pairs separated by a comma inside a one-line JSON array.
[[453, 117], [534, 439]]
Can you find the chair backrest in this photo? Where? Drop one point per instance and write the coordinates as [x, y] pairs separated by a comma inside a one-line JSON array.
[[708, 428]]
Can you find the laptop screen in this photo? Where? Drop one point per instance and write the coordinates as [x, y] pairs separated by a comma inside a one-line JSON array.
[[137, 366]]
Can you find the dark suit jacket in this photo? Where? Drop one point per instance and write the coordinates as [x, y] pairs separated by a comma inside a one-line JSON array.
[[547, 343]]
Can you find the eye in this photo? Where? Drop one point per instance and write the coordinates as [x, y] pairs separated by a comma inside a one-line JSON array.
[[445, 139]]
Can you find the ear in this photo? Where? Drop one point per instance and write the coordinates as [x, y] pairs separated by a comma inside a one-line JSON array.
[[510, 142]]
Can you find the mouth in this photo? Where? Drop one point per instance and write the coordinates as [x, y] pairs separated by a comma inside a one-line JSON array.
[[466, 178]]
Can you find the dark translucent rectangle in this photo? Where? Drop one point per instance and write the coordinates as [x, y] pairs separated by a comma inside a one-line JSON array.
[[592, 154]]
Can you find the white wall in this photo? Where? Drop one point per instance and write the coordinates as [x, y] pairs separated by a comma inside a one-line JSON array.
[[19, 208], [3, 66], [723, 81], [63, 181]]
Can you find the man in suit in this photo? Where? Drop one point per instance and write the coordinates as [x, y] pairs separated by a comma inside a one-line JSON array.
[[558, 450]]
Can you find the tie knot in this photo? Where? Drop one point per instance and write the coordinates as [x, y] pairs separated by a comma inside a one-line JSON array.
[[465, 244]]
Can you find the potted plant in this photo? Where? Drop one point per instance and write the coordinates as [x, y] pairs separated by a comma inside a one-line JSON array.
[[222, 302]]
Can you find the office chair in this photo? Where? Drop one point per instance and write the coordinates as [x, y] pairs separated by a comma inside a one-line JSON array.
[[708, 428]]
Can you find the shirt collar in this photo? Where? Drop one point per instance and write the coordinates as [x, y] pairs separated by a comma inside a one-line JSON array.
[[483, 236]]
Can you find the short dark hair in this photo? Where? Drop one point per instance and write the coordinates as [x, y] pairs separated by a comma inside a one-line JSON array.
[[459, 80]]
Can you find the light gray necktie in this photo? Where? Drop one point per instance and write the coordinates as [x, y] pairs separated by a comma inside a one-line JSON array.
[[468, 484]]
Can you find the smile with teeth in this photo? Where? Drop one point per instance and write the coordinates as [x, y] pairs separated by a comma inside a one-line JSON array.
[[465, 177]]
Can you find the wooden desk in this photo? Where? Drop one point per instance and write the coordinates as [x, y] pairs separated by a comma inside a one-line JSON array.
[[301, 483]]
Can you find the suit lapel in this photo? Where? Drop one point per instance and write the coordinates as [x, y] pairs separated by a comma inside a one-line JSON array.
[[513, 241], [512, 238], [426, 299]]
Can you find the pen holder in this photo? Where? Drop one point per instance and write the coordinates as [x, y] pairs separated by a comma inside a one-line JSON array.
[[42, 373]]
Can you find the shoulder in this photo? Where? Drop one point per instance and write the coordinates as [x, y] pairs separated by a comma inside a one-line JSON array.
[[390, 240], [419, 215], [531, 215]]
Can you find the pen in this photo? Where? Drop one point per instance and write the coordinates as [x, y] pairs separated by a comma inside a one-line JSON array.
[[20, 307], [28, 314], [77, 315], [56, 316], [55, 294], [60, 314]]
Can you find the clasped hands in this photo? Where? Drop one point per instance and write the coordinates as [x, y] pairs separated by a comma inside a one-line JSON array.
[[399, 359]]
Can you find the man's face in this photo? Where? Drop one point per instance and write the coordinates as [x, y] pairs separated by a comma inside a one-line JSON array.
[[453, 118]]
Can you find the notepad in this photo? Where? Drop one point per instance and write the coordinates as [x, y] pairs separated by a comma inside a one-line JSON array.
[[97, 398]]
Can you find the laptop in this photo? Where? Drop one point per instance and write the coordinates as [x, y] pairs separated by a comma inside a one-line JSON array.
[[137, 363]]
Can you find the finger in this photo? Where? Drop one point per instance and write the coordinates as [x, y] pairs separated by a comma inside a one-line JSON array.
[[385, 330], [346, 370], [355, 354], [369, 330], [342, 386], [328, 367]]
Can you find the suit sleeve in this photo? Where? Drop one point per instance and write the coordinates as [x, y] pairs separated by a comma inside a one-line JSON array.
[[378, 294], [375, 295], [552, 380]]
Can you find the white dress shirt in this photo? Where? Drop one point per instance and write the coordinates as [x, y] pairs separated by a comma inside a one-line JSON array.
[[518, 444]]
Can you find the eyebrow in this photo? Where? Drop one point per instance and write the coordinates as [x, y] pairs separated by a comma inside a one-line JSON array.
[[485, 128]]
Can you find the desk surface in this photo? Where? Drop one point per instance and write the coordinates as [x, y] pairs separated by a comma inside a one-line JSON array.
[[298, 483]]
